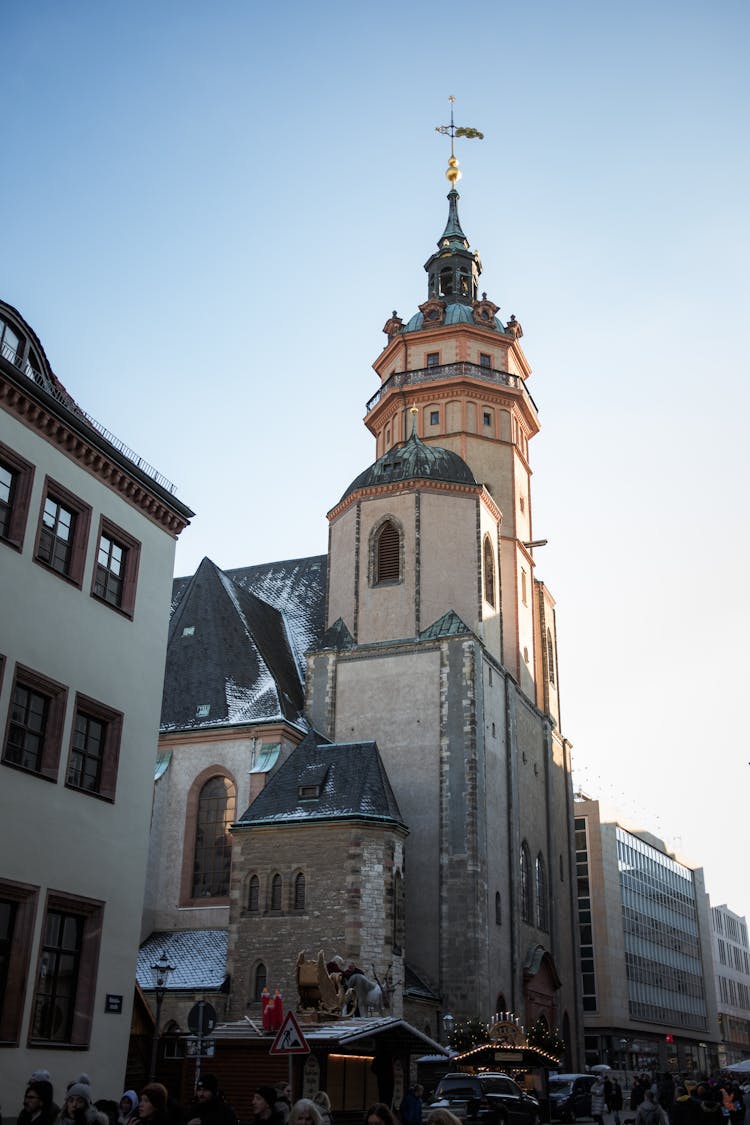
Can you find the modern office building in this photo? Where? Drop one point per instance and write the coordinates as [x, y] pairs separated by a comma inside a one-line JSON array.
[[645, 940], [732, 974], [87, 542]]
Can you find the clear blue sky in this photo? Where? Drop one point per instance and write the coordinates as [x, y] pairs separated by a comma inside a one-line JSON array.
[[210, 211]]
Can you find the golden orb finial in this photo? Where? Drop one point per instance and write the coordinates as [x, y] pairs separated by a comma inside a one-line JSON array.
[[453, 172]]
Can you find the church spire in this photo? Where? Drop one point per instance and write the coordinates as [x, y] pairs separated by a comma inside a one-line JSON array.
[[453, 273]]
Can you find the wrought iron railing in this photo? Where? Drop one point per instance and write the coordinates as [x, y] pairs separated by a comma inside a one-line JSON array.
[[11, 354], [450, 371]]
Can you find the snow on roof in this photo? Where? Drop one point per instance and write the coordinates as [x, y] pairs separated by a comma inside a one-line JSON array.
[[199, 958]]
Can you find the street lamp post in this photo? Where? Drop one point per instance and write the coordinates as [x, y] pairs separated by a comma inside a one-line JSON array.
[[161, 971], [449, 1022]]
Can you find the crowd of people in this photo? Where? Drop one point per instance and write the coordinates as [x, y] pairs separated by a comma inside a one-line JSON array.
[[668, 1100], [671, 1100]]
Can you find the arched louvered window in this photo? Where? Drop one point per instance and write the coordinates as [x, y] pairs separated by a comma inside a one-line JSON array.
[[213, 844], [253, 894], [489, 571], [550, 658], [387, 554], [527, 893], [260, 977], [542, 920], [299, 892], [276, 893]]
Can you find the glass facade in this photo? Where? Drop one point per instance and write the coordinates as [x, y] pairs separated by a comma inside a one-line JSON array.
[[662, 945]]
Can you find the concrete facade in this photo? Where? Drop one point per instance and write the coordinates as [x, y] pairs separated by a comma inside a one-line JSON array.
[[645, 938], [731, 957], [74, 844]]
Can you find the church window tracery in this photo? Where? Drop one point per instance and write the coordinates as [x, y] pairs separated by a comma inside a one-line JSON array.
[[299, 891], [542, 920], [276, 887], [489, 571], [527, 894], [213, 847], [260, 977], [253, 894]]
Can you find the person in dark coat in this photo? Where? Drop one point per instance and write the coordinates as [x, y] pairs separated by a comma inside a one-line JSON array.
[[38, 1105], [209, 1107]]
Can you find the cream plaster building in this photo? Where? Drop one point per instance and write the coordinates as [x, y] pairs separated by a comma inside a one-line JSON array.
[[87, 541], [731, 954]]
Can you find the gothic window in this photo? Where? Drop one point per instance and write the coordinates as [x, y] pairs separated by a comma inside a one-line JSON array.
[[550, 658], [498, 910], [387, 554], [446, 282], [299, 891], [489, 571], [276, 893], [542, 920], [213, 845], [399, 913], [527, 895], [260, 976], [253, 894]]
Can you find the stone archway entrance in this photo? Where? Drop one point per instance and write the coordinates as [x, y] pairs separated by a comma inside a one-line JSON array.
[[541, 984]]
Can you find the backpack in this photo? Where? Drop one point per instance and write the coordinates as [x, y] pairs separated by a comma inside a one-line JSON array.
[[651, 1114]]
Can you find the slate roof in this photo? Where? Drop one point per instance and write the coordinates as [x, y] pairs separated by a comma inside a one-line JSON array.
[[229, 657], [446, 626], [351, 779], [411, 461], [199, 958]]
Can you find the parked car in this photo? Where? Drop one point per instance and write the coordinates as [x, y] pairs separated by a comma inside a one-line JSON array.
[[570, 1096], [494, 1099]]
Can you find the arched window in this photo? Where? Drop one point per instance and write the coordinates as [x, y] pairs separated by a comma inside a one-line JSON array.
[[213, 843], [387, 555], [399, 913], [260, 976], [253, 894], [498, 910], [299, 892], [550, 658], [489, 571], [500, 1005], [527, 894], [446, 281], [542, 920], [276, 893]]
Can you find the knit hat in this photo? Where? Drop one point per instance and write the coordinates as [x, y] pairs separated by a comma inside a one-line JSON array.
[[80, 1090], [208, 1082], [40, 1076], [42, 1089], [269, 1095], [156, 1094]]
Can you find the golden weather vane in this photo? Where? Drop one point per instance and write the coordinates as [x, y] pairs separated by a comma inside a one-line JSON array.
[[453, 173]]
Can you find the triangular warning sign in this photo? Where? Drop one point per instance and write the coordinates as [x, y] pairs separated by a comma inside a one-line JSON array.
[[290, 1040]]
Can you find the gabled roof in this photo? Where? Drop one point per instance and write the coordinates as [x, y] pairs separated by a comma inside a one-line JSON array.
[[199, 958], [296, 587], [229, 659], [349, 778], [446, 626]]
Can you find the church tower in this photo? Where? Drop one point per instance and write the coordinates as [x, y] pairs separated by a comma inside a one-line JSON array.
[[464, 371], [440, 646]]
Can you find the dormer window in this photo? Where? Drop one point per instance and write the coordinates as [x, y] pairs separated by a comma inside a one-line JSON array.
[[308, 792], [203, 710]]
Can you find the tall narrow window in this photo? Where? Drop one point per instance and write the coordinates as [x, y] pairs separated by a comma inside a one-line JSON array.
[[27, 729], [399, 913], [276, 892], [542, 919], [54, 1001], [259, 981], [550, 658], [56, 536], [489, 572], [524, 591], [16, 478], [213, 845], [498, 909], [253, 894], [299, 892], [527, 895], [110, 570], [387, 554]]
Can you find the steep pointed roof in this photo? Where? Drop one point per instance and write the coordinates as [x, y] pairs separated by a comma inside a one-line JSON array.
[[338, 781], [229, 659], [414, 460], [453, 235]]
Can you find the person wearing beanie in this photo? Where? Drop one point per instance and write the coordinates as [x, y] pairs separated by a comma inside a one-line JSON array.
[[128, 1107], [152, 1107], [38, 1106], [209, 1106], [264, 1106], [78, 1109]]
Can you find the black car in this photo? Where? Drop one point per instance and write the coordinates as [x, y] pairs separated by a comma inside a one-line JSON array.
[[491, 1098], [570, 1096]]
